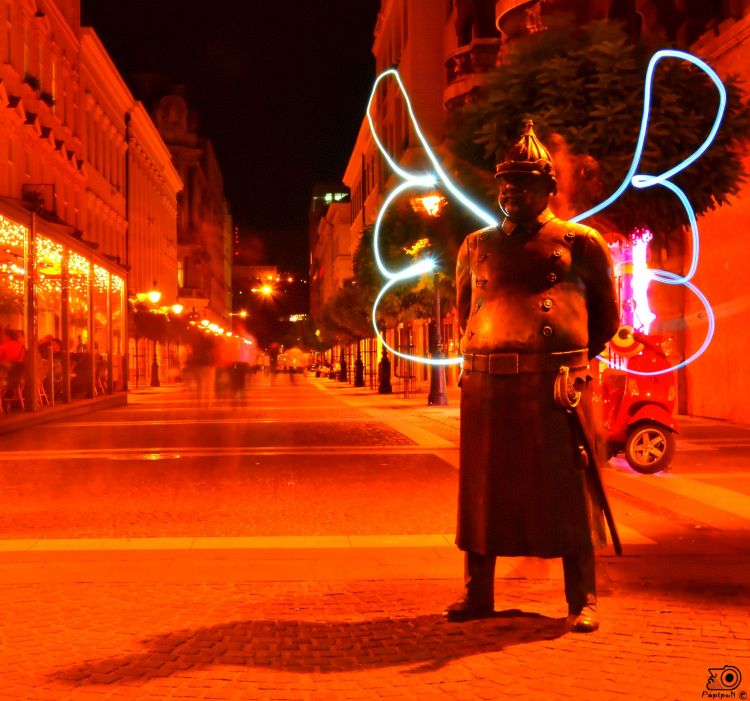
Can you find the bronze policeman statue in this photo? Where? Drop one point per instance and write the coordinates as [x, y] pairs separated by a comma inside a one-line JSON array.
[[534, 295]]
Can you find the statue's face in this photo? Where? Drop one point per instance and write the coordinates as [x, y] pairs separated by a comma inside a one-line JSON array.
[[523, 196]]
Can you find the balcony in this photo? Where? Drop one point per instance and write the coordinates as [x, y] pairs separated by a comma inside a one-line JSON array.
[[192, 293], [466, 67]]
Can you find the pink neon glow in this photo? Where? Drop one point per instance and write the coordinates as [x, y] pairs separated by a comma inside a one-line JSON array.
[[643, 317]]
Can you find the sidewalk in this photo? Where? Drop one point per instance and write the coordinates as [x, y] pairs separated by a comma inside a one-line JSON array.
[[302, 619]]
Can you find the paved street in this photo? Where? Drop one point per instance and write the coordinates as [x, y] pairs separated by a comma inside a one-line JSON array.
[[296, 543]]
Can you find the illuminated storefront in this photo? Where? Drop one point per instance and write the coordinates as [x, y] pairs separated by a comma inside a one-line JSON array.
[[64, 303]]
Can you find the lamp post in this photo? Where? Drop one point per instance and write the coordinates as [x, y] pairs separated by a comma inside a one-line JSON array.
[[432, 204], [438, 395], [154, 296], [359, 367]]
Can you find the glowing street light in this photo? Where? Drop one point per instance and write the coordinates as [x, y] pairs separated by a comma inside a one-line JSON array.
[[432, 204], [153, 295]]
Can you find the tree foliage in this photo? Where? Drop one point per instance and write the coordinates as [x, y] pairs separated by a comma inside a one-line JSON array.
[[347, 316], [584, 89]]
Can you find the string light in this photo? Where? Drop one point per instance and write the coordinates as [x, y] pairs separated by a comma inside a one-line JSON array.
[[101, 278], [48, 253], [421, 181], [12, 235]]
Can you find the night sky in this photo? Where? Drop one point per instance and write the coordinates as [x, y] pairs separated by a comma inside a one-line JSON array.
[[280, 88]]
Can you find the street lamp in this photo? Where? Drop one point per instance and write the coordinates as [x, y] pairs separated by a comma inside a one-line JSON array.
[[431, 204], [154, 296], [438, 395]]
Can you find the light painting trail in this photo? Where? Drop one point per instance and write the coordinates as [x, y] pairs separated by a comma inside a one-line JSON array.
[[426, 181], [642, 276]]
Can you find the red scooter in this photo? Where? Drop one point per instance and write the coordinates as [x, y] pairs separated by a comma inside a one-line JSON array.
[[637, 409]]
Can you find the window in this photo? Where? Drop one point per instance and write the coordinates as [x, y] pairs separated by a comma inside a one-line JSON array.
[[40, 60], [7, 34], [53, 84], [406, 21], [26, 66]]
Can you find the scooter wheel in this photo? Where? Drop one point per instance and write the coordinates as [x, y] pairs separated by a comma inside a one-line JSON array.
[[649, 448]]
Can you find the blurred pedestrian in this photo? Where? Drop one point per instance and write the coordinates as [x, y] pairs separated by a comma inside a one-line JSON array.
[[12, 363], [199, 365]]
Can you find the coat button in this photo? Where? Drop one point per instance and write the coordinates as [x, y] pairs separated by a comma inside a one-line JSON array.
[[476, 307], [552, 277], [483, 237], [557, 252], [570, 235], [547, 331], [482, 257], [547, 304], [481, 283]]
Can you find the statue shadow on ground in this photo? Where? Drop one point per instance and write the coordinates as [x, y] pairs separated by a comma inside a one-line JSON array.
[[425, 642]]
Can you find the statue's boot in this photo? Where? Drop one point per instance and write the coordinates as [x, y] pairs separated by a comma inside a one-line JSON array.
[[479, 598], [580, 591]]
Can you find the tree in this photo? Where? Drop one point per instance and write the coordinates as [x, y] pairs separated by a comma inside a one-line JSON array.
[[405, 235], [583, 87]]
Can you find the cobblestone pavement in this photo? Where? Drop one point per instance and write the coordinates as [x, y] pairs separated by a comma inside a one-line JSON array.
[[354, 640], [325, 561], [232, 495]]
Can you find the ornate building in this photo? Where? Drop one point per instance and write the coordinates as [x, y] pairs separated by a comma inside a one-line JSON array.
[[204, 224], [443, 49], [330, 251], [718, 32], [81, 154]]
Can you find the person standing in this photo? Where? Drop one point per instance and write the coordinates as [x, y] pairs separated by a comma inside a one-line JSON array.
[[534, 294]]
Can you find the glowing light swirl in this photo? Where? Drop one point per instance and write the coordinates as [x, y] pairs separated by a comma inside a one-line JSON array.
[[632, 178], [411, 180], [673, 279], [643, 181]]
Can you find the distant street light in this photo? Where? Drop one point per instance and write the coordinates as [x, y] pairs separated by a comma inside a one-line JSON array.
[[154, 296]]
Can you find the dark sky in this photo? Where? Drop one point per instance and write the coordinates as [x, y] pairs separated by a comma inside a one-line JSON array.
[[280, 87]]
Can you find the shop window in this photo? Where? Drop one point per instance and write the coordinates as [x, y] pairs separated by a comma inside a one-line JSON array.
[[79, 342], [13, 238], [100, 297], [117, 289], [48, 290]]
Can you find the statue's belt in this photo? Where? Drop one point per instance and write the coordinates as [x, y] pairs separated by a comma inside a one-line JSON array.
[[516, 363]]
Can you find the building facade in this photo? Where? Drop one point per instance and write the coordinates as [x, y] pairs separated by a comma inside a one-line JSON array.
[[330, 248], [204, 223], [442, 51], [716, 384], [81, 157]]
